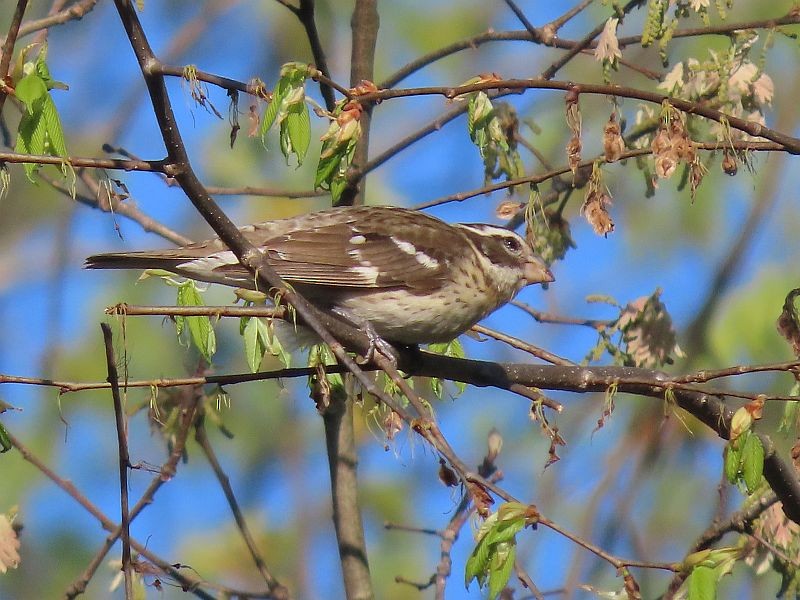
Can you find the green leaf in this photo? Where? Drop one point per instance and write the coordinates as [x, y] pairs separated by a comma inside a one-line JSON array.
[[502, 564], [30, 90], [733, 462], [31, 136], [200, 330], [5, 180], [271, 112], [5, 441], [253, 349], [55, 133], [702, 584], [752, 462], [338, 186], [492, 559], [788, 422], [298, 124], [452, 349], [39, 130]]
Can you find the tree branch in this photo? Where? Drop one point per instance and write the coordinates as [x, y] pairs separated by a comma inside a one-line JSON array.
[[124, 459]]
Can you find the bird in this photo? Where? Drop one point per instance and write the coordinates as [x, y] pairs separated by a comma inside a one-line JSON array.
[[404, 275]]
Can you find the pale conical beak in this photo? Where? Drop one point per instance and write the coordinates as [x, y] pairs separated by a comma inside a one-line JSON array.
[[535, 271]]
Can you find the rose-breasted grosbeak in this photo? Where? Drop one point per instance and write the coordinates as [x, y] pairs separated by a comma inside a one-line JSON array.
[[410, 277]]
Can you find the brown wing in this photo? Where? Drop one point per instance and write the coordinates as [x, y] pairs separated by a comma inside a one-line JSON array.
[[354, 247], [369, 247]]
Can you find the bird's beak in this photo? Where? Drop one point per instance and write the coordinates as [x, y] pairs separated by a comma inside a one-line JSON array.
[[535, 271]]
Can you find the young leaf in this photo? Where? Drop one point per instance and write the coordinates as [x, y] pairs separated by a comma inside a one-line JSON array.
[[200, 330], [253, 348], [5, 441], [298, 125], [733, 462], [30, 90], [502, 564], [702, 584], [752, 462]]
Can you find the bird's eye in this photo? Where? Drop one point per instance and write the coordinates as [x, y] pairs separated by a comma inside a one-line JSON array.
[[512, 245]]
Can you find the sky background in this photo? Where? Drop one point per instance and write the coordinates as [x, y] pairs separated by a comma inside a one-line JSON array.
[[276, 462]]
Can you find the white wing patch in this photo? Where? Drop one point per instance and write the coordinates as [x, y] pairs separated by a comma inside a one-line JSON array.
[[210, 262], [357, 239], [423, 259]]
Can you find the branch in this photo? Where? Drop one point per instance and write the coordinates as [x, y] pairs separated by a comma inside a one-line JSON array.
[[586, 164], [189, 583], [550, 72], [739, 521], [111, 203], [154, 166], [522, 345], [278, 591], [790, 144], [74, 12], [306, 15], [8, 48], [124, 459], [166, 473]]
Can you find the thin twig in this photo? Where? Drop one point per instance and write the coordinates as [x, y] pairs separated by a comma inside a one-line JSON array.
[[536, 35], [739, 521], [306, 15], [550, 72], [559, 22], [546, 317], [269, 192], [522, 345], [124, 459], [8, 48], [74, 12], [278, 591], [130, 310], [155, 166], [539, 179], [187, 415], [189, 583]]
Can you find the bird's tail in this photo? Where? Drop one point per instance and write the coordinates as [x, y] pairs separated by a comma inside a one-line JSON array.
[[132, 260]]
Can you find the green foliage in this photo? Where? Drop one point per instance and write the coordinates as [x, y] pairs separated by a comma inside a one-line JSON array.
[[288, 108], [321, 355], [744, 461], [5, 180], [200, 330], [706, 568], [338, 149], [5, 441], [654, 25], [493, 130], [492, 559], [40, 131], [452, 349], [702, 584], [260, 339], [548, 231]]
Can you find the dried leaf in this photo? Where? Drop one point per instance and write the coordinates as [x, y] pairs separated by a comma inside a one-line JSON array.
[[9, 545], [596, 212], [647, 332], [446, 474], [613, 143], [480, 497], [788, 325]]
